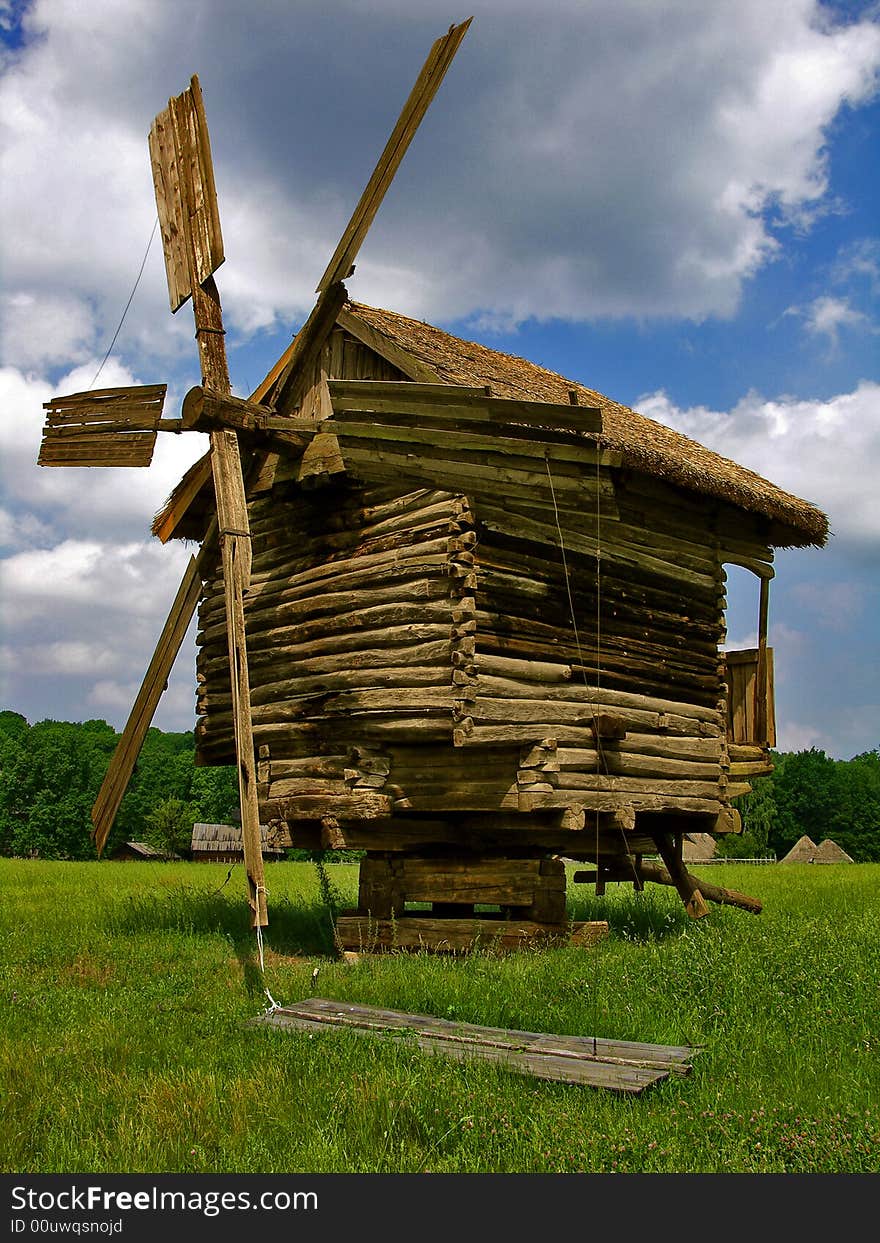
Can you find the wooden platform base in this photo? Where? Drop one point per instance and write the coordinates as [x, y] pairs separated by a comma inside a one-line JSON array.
[[448, 935], [619, 1065]]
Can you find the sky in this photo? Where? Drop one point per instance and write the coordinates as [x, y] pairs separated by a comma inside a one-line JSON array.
[[670, 201]]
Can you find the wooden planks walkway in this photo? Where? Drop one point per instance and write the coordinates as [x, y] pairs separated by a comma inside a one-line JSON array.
[[619, 1065]]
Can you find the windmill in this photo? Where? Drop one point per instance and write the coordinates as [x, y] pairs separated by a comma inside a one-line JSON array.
[[118, 427]]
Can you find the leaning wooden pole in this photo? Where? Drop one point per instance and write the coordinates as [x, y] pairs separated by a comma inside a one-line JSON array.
[[688, 887]]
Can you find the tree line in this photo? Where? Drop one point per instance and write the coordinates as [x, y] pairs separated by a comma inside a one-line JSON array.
[[810, 794], [50, 773]]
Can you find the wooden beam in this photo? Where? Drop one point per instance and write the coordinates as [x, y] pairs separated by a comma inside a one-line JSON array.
[[128, 748], [187, 207], [412, 367], [292, 377], [669, 846], [714, 893], [427, 84]]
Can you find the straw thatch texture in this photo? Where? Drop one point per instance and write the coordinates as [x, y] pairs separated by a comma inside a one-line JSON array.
[[698, 847], [803, 851], [829, 852], [646, 446]]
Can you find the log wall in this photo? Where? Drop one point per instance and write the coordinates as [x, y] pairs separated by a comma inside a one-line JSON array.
[[413, 656]]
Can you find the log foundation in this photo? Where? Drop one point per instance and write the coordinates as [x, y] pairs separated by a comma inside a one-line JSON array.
[[456, 903]]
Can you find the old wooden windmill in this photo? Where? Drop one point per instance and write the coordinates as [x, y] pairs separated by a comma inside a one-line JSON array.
[[455, 610]]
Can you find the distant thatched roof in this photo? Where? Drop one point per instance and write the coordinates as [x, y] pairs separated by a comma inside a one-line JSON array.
[[142, 849], [806, 851], [802, 851], [829, 852], [697, 847], [215, 839]]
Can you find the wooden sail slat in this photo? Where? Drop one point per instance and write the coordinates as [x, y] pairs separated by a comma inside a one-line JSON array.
[[183, 178], [105, 449]]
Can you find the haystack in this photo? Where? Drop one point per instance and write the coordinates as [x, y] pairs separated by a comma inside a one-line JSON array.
[[803, 851], [829, 852]]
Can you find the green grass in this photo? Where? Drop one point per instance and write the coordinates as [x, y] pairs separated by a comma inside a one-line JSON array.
[[126, 988]]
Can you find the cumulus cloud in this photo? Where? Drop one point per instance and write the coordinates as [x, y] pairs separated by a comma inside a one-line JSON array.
[[825, 316], [591, 159], [825, 451]]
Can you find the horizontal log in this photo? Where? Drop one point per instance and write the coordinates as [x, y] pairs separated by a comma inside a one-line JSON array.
[[405, 397], [412, 595], [714, 893], [541, 529], [359, 932], [354, 805], [642, 800]]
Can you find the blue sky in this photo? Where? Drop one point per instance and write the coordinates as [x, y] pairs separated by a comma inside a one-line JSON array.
[[672, 202]]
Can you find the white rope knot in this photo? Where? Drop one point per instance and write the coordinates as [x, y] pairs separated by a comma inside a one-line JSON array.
[[273, 1004]]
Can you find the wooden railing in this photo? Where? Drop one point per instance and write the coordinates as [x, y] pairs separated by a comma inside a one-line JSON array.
[[751, 712]]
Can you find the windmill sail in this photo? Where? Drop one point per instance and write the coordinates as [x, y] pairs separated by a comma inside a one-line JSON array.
[[107, 427], [186, 198]]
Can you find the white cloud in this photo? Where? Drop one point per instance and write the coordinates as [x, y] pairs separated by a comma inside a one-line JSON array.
[[827, 452], [594, 159], [825, 316]]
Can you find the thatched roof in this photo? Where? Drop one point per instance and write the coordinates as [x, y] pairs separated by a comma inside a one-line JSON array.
[[214, 839], [646, 445], [802, 851], [829, 852], [697, 847], [643, 444], [806, 851], [143, 850]]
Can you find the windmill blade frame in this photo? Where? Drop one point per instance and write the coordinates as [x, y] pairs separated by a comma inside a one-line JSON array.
[[427, 84]]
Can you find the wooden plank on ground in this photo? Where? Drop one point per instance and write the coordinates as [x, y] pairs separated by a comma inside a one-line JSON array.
[[619, 1065]]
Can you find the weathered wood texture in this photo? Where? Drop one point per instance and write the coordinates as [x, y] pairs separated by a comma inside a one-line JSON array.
[[750, 698], [532, 889], [620, 1065], [105, 427], [183, 178], [427, 84], [413, 657], [186, 201], [445, 935]]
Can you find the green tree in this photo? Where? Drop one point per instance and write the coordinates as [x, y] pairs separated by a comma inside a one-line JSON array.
[[49, 775], [169, 826]]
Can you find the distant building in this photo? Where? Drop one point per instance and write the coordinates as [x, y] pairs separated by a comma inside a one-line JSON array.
[[698, 847], [806, 851], [142, 851], [221, 843]]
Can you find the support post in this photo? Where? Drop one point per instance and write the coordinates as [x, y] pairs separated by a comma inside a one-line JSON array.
[[669, 847]]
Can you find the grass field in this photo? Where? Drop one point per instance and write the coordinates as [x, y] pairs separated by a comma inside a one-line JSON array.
[[124, 1046]]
